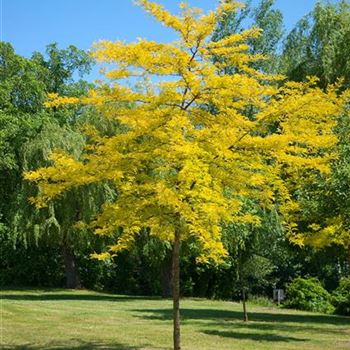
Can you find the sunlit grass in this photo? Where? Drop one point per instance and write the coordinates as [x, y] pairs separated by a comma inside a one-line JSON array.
[[58, 319]]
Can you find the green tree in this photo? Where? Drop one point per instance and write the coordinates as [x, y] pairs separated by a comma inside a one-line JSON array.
[[29, 134], [324, 204], [61, 65], [318, 45], [253, 257], [263, 16]]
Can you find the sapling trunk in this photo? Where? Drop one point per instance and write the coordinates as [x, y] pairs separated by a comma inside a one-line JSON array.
[[176, 290]]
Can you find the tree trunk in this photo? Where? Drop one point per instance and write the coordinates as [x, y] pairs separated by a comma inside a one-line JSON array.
[[166, 275], [245, 314], [176, 290], [71, 269]]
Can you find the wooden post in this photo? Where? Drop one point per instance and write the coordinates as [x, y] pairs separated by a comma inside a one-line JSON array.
[[245, 317]]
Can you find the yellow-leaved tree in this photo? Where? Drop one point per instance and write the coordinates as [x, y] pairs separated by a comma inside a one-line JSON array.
[[188, 155]]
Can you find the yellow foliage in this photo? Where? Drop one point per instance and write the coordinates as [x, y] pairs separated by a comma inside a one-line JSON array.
[[188, 156], [334, 231], [100, 256]]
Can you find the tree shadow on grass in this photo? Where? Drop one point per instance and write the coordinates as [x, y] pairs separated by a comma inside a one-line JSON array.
[[255, 336], [286, 327], [78, 345], [228, 315], [259, 322], [57, 296]]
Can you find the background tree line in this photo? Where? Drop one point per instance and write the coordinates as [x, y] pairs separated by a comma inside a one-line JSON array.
[[46, 248]]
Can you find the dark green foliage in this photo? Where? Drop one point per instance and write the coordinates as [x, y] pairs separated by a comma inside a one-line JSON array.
[[133, 275], [42, 265], [308, 294], [21, 86], [341, 297], [38, 267], [328, 264], [60, 66], [137, 271]]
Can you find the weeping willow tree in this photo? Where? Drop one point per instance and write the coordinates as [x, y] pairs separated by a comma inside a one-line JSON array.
[[59, 223], [29, 133], [319, 45]]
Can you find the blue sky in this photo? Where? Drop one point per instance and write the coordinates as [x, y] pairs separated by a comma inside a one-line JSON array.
[[32, 24]]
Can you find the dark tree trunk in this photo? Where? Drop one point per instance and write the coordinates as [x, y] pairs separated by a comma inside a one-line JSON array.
[[71, 269], [245, 313], [166, 275], [176, 290]]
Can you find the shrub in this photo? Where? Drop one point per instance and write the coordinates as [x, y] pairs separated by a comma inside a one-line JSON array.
[[260, 300], [308, 294], [341, 297]]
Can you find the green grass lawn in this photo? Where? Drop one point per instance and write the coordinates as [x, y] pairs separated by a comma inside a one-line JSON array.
[[60, 319]]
